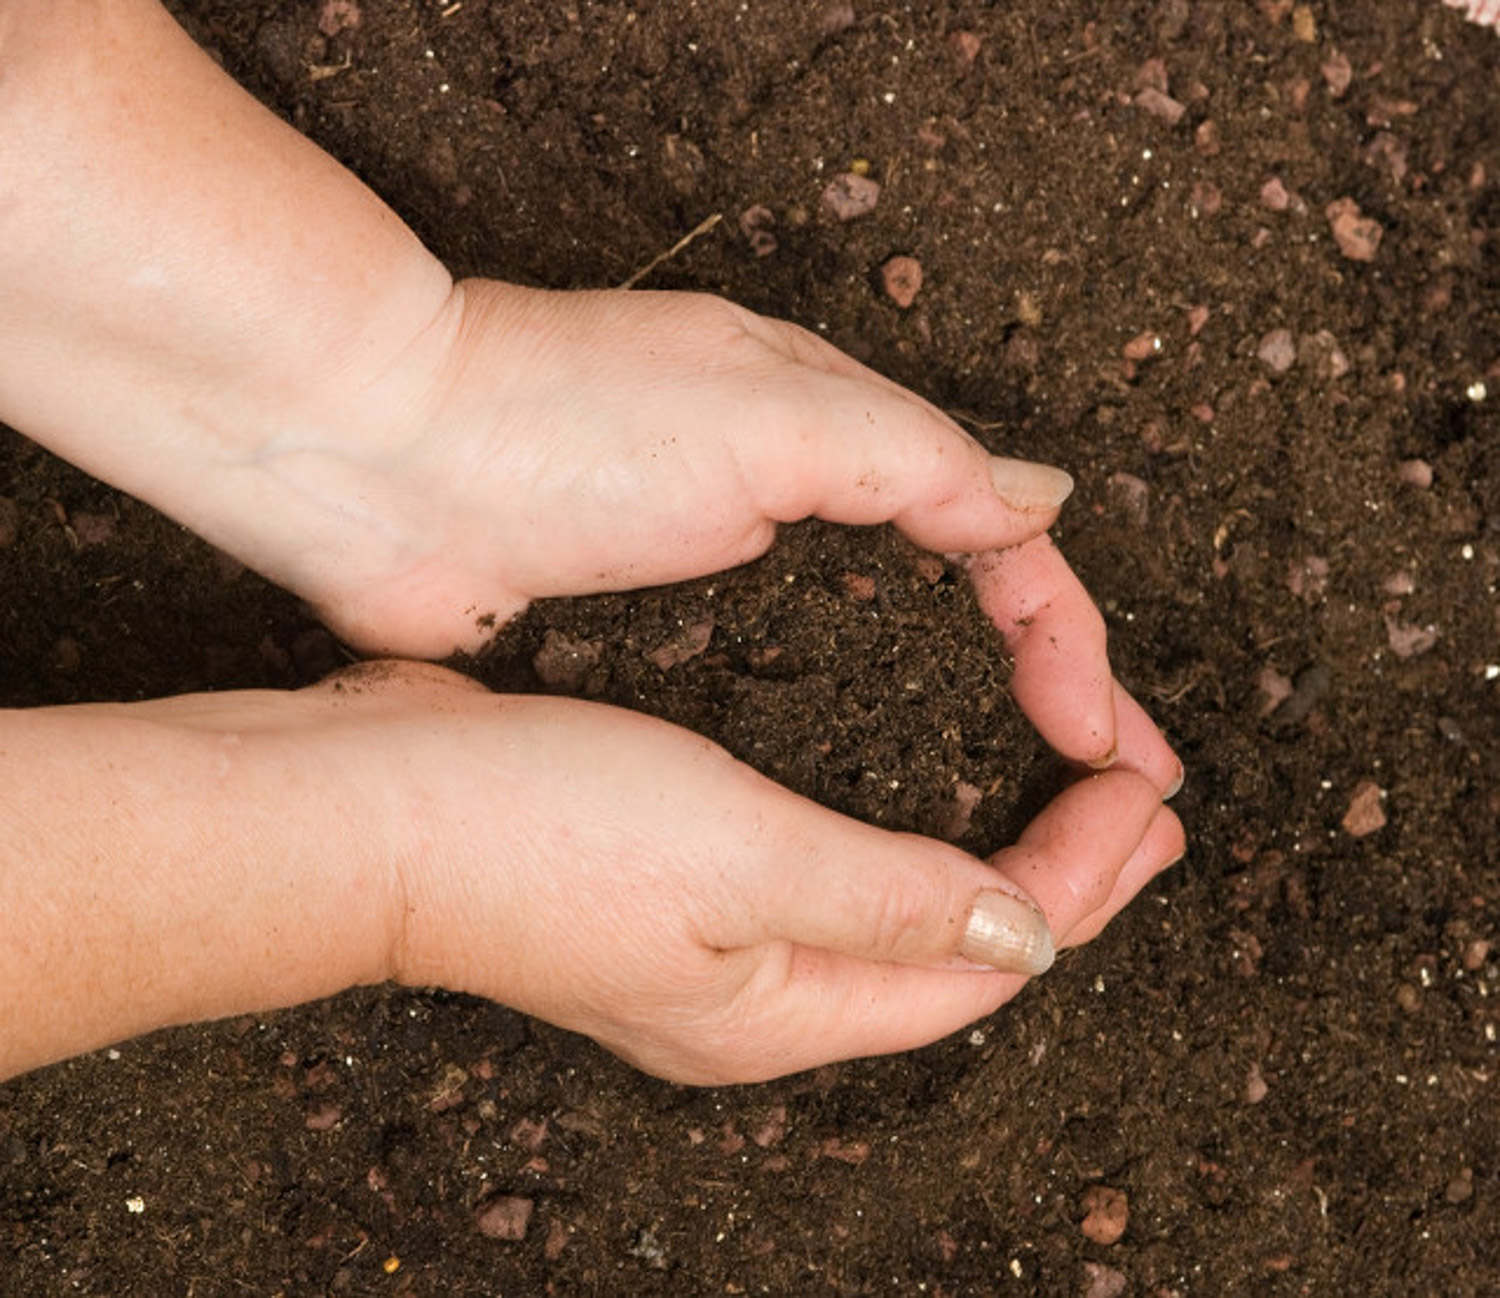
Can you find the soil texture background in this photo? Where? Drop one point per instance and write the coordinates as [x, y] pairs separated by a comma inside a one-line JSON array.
[[1147, 239]]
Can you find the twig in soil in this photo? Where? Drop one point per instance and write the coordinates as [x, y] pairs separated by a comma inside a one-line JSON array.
[[702, 228], [974, 421]]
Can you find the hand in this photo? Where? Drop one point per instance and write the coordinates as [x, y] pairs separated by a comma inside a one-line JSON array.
[[626, 879], [567, 443]]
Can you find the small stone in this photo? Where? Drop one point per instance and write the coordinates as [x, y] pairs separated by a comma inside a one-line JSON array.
[[853, 1152], [10, 522], [1278, 351], [966, 798], [1476, 954], [902, 279], [1461, 1188], [1415, 473], [850, 196], [504, 1217], [564, 663], [965, 46], [1305, 25], [1399, 583], [836, 17], [772, 1130], [1160, 105], [1408, 998], [1358, 236], [557, 1240], [1142, 347], [1102, 1281], [1206, 138], [1366, 813], [1106, 1214], [687, 644], [1387, 152], [1338, 73], [1273, 194], [1205, 198], [1152, 75], [1274, 689], [1256, 1089], [1131, 496], [335, 16]]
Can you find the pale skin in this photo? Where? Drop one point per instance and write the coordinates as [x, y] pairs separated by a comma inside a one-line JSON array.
[[420, 459]]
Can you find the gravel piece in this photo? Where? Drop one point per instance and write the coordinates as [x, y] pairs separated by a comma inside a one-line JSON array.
[[506, 1216], [902, 279], [1160, 105], [1358, 236], [1106, 1214], [1278, 351], [1366, 813], [850, 196]]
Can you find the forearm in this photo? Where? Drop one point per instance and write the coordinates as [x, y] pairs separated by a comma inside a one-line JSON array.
[[162, 863], [190, 291]]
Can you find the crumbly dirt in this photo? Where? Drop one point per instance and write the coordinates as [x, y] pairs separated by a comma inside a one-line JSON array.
[[1284, 1056]]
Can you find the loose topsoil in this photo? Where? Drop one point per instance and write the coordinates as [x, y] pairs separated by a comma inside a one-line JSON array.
[[1283, 1058]]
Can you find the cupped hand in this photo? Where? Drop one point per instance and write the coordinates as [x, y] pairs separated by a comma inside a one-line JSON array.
[[626, 879], [549, 444]]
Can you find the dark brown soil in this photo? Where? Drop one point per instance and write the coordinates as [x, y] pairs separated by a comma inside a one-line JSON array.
[[1285, 1054]]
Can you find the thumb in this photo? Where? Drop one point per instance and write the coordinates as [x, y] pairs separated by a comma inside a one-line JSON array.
[[834, 884]]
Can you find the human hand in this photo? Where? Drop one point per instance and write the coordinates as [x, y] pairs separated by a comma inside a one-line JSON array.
[[566, 443], [627, 879]]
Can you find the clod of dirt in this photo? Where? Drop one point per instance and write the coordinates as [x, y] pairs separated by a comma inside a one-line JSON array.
[[966, 798], [335, 16], [836, 17], [1358, 236], [1461, 1188], [1338, 73], [564, 663], [1256, 1089], [687, 644], [92, 529], [1406, 639], [506, 1216], [756, 224], [1131, 497], [1320, 352], [1152, 75], [1205, 198], [1415, 473], [901, 278], [1366, 813], [1106, 1214], [1385, 151], [10, 522], [1278, 351], [1102, 1281], [1160, 105], [325, 1117], [1305, 25], [858, 586], [850, 196]]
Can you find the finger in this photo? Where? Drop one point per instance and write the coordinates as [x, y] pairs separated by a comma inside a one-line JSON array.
[[1160, 848], [1062, 679], [1141, 747], [848, 450], [813, 1005]]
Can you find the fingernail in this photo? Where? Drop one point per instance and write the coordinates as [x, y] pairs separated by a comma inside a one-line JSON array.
[[1176, 784], [1023, 484], [1008, 933], [1105, 762]]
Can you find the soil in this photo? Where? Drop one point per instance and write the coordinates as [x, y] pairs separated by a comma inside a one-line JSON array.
[[1284, 1056]]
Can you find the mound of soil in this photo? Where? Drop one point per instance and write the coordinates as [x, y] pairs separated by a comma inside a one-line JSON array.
[[1237, 267]]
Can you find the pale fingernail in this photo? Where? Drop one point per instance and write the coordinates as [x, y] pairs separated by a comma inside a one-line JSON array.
[[1105, 762], [1008, 933], [1176, 784], [1023, 484]]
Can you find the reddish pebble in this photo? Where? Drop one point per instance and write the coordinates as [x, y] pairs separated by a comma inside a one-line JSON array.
[[557, 1240], [1274, 689], [1399, 584], [1415, 473], [1476, 954], [1103, 1281], [859, 587], [504, 1217], [1255, 1086], [687, 644], [853, 1152], [1366, 813], [1206, 198], [1142, 347], [1197, 318], [335, 16], [1338, 73], [1278, 351], [965, 46], [324, 1118], [1273, 194], [1357, 236], [1160, 105], [1106, 1214], [1152, 75], [1206, 138], [902, 280], [1407, 640], [836, 17], [849, 196]]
